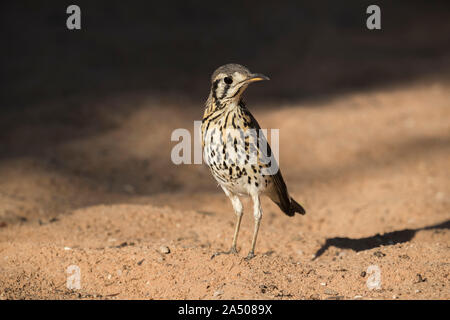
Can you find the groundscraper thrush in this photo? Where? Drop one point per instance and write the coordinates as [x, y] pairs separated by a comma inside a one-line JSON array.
[[237, 152]]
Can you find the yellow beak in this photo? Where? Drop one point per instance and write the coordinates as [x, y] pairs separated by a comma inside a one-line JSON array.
[[256, 77]]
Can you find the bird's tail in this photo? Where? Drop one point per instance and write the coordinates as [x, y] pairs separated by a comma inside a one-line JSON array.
[[296, 207], [289, 206], [279, 194]]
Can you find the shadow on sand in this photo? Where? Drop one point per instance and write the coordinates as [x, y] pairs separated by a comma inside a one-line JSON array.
[[377, 240]]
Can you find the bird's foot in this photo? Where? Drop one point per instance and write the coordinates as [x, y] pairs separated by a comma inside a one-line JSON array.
[[231, 251], [250, 256]]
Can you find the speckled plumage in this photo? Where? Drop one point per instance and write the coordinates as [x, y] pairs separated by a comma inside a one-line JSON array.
[[232, 141]]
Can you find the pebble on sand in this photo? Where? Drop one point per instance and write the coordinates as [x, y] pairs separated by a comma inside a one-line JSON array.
[[164, 249], [331, 292], [218, 293]]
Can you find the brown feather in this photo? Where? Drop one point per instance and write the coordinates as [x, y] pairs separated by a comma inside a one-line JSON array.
[[279, 193]]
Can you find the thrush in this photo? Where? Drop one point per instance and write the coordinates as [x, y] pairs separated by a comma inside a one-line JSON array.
[[237, 152]]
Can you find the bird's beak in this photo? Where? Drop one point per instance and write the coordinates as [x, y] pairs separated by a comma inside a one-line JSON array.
[[256, 77]]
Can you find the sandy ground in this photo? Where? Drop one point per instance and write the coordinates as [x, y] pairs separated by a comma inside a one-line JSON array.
[[95, 188]]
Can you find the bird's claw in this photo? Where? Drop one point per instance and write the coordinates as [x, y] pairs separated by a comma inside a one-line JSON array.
[[250, 256], [231, 251]]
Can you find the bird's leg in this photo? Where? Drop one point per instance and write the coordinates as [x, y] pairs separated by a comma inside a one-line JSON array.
[[237, 205], [238, 224], [257, 212]]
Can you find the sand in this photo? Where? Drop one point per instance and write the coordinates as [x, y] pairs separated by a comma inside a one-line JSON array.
[[94, 188]]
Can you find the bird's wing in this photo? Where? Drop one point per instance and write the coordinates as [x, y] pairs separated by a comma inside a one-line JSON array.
[[279, 193]]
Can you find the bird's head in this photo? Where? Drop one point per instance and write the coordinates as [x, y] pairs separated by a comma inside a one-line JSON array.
[[229, 81]]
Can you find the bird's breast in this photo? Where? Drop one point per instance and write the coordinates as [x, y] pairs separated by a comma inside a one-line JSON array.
[[231, 151]]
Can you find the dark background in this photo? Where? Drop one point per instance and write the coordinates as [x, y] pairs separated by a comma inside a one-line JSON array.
[[309, 48]]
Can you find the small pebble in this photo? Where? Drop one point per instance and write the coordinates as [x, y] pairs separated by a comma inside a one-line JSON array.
[[379, 254], [420, 279], [164, 249], [140, 262], [330, 292], [357, 297], [218, 293], [67, 248]]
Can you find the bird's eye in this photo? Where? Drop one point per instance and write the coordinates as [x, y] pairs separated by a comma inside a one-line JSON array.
[[228, 80]]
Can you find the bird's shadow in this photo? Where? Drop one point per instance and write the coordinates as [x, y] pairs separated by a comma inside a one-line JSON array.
[[377, 240]]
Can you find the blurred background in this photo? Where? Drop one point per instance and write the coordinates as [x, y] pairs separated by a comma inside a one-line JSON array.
[[309, 48], [99, 104]]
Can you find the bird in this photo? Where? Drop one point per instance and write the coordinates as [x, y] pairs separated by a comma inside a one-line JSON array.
[[231, 147]]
